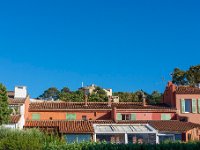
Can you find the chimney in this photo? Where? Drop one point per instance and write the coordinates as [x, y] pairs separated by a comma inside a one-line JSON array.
[[109, 101], [144, 99], [20, 92], [86, 100], [114, 114]]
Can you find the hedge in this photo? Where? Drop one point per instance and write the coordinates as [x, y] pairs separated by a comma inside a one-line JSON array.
[[33, 139]]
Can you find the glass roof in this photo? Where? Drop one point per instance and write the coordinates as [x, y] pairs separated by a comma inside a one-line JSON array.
[[123, 128]]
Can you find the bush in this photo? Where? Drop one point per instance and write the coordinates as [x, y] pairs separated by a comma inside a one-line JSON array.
[[33, 139]]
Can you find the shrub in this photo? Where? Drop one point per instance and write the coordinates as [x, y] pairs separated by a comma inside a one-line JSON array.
[[33, 139]]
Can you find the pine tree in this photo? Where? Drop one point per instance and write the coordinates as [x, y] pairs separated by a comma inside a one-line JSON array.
[[4, 109]]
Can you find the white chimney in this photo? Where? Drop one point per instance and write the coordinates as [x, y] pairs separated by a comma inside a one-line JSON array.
[[20, 92]]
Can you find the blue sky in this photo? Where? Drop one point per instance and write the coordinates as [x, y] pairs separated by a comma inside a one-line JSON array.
[[125, 45]]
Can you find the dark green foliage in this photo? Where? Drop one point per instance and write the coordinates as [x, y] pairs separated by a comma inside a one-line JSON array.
[[179, 77], [51, 93], [76, 96], [129, 96], [189, 77], [4, 109], [155, 97], [33, 139], [30, 139], [98, 95], [193, 75]]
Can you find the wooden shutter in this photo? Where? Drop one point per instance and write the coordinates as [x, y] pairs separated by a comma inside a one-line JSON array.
[[165, 116], [35, 116], [199, 105], [119, 116], [71, 116], [133, 116], [182, 105], [194, 106]]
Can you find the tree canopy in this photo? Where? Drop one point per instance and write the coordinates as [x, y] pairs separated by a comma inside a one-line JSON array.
[[189, 77], [4, 109], [98, 95], [50, 93]]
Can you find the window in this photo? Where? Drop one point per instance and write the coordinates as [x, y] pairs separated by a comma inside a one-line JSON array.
[[20, 87], [126, 117], [84, 118], [166, 138], [178, 137], [188, 105], [189, 136], [71, 138], [165, 116], [95, 114], [199, 105], [35, 116], [71, 116]]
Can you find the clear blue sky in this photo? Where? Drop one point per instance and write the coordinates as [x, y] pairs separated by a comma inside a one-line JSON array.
[[125, 45]]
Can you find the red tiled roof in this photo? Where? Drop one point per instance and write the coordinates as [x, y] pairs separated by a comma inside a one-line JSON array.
[[64, 106], [187, 90], [167, 125], [87, 126], [14, 118], [14, 101], [65, 126]]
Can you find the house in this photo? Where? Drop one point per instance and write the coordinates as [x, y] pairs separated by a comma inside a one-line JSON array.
[[90, 89], [18, 101], [185, 99], [79, 121], [115, 122], [99, 111], [120, 132]]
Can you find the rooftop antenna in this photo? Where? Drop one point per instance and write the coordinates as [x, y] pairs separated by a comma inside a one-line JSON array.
[[163, 80]]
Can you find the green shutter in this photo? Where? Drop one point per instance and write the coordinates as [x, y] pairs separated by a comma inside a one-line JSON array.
[[71, 116], [199, 105], [182, 105], [119, 116], [133, 116], [165, 116], [194, 106], [35, 116]]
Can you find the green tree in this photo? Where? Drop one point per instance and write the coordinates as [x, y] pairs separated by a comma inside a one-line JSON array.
[[76, 96], [4, 109], [155, 97], [98, 95], [179, 77], [51, 93], [65, 90], [193, 75], [189, 77]]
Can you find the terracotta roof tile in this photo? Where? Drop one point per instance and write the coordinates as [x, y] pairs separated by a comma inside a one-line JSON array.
[[65, 126], [167, 125], [14, 118], [64, 106], [187, 90], [87, 126], [15, 101]]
